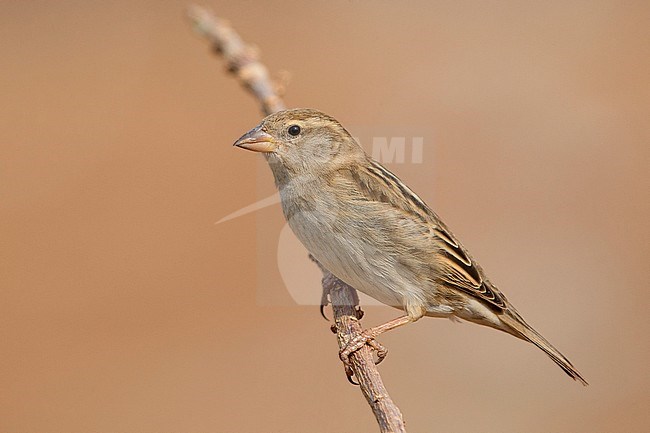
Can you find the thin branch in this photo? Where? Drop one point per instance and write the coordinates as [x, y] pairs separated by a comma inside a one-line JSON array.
[[243, 62], [241, 59], [345, 303]]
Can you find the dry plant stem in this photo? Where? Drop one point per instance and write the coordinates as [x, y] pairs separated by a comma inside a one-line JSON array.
[[243, 62], [241, 58], [344, 301]]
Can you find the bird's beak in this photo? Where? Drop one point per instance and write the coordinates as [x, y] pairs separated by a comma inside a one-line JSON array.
[[257, 140]]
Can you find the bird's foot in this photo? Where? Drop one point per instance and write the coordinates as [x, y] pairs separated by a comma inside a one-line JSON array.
[[356, 343]]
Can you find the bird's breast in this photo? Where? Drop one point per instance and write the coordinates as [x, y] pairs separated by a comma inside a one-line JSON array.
[[328, 230]]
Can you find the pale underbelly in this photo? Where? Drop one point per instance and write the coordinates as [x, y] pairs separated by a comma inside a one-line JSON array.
[[342, 248], [358, 264]]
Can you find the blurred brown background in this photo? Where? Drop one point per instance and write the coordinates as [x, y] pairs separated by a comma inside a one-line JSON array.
[[125, 309]]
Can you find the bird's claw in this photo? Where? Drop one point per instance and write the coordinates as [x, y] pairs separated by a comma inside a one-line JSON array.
[[324, 302], [322, 311], [349, 374], [357, 343], [379, 348]]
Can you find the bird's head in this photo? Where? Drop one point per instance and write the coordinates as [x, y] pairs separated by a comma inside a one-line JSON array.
[[302, 141]]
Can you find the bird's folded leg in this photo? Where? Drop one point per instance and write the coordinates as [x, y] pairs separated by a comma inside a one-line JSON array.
[[368, 337], [326, 296], [325, 301]]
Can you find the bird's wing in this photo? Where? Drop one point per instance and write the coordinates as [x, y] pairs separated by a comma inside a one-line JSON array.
[[455, 267], [459, 270]]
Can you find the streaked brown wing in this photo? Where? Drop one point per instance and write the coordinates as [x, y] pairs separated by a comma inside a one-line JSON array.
[[456, 267]]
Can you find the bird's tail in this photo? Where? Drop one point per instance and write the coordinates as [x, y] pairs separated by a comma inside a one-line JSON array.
[[526, 332]]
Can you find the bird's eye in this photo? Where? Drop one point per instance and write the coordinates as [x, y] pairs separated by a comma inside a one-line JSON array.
[[294, 130]]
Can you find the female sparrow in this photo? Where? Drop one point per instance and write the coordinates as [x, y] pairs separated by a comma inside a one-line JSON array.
[[371, 231]]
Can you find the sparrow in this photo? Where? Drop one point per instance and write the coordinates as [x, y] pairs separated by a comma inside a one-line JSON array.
[[369, 229]]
